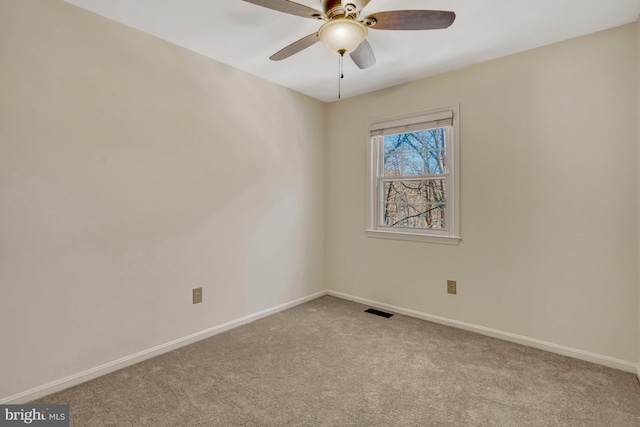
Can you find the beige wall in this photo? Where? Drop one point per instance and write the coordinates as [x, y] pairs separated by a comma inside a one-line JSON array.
[[132, 171], [548, 194]]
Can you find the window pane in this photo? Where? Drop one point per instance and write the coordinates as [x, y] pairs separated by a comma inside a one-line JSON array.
[[416, 203], [413, 141], [435, 162], [392, 164], [413, 163], [435, 138], [415, 153], [392, 143]]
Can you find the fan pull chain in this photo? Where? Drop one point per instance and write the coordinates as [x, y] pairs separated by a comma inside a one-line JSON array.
[[340, 70]]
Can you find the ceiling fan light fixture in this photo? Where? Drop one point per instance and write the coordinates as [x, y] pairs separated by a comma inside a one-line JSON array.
[[342, 35]]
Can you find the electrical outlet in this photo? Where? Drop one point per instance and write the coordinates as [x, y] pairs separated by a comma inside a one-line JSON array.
[[452, 287], [197, 295]]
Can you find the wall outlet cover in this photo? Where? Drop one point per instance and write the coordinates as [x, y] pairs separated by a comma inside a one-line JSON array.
[[452, 287], [197, 295]]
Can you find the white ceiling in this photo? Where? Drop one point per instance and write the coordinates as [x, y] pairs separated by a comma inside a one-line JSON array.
[[244, 36]]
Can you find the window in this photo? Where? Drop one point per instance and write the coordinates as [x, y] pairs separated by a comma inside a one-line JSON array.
[[413, 178]]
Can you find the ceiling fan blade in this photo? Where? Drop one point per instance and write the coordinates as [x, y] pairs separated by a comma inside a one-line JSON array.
[[289, 7], [363, 56], [295, 47], [410, 20]]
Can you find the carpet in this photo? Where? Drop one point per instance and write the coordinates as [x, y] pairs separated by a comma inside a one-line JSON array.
[[328, 363]]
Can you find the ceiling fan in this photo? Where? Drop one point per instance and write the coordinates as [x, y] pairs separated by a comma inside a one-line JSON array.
[[344, 32]]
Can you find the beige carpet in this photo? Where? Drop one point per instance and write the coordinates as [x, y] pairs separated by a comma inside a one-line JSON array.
[[327, 363]]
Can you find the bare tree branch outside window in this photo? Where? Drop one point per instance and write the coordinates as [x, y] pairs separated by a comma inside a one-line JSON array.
[[414, 180]]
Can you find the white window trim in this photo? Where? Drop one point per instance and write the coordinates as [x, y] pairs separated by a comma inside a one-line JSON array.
[[453, 235]]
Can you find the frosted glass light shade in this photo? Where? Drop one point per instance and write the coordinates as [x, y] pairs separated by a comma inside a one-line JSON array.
[[342, 34]]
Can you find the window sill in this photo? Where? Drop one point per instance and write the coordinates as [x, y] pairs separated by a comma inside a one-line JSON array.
[[414, 237]]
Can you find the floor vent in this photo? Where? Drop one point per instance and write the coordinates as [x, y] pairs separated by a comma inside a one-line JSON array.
[[378, 312]]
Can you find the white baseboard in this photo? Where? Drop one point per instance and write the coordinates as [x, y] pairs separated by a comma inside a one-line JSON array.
[[80, 377], [622, 365]]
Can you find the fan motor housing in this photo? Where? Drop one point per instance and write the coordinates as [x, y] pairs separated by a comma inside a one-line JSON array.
[[332, 8], [354, 6]]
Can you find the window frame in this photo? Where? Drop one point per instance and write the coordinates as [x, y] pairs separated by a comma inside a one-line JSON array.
[[375, 155]]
